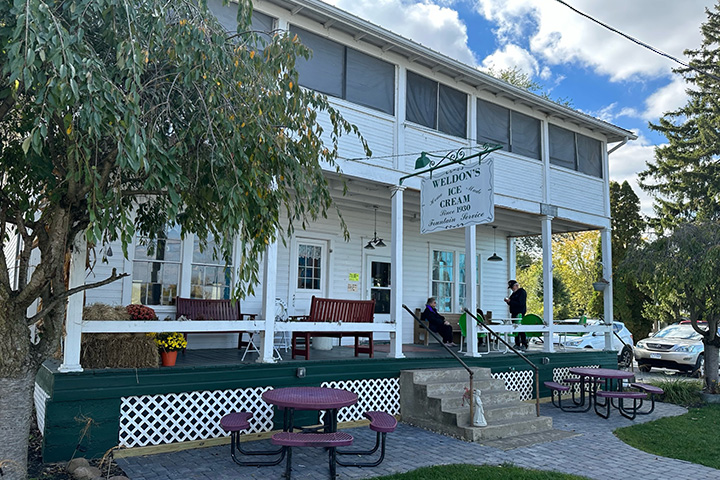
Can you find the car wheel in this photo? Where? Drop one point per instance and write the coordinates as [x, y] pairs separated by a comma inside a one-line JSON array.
[[699, 370], [644, 368], [625, 357]]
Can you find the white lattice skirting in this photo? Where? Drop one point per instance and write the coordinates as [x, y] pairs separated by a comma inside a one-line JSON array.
[[180, 417], [518, 380], [40, 396]]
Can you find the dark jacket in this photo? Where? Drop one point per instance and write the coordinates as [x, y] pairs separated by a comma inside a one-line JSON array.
[[518, 302], [433, 318]]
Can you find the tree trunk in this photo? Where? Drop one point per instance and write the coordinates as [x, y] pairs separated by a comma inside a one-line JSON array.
[[711, 369], [15, 415]]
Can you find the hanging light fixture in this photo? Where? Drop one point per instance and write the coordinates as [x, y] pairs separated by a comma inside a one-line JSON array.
[[494, 257], [375, 242]]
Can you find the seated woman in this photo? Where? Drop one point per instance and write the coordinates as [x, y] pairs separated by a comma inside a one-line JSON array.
[[437, 322]]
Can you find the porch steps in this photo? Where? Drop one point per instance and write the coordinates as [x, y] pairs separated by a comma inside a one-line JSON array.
[[433, 399]]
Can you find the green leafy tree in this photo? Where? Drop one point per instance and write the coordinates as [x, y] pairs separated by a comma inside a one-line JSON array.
[[684, 266], [120, 117], [684, 177], [629, 298]]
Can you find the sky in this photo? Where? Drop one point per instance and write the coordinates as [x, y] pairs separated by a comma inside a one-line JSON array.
[[601, 73]]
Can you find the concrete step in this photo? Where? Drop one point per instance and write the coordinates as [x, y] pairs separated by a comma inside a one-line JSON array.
[[489, 397], [440, 388], [508, 428], [494, 413], [422, 377]]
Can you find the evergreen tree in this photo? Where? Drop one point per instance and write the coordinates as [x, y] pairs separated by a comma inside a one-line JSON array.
[[684, 178]]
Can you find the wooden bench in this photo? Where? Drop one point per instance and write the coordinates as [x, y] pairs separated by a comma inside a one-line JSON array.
[[205, 309], [421, 336], [335, 310]]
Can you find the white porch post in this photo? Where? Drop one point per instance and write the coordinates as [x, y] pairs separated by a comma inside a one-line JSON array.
[[547, 282], [396, 271], [74, 309], [268, 303], [471, 301], [606, 246]]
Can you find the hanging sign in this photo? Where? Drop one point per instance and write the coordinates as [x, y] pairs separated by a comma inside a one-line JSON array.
[[458, 198]]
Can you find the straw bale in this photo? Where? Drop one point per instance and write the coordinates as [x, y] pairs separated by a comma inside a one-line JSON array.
[[116, 350]]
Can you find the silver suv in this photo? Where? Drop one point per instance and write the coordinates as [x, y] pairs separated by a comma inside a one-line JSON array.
[[677, 347]]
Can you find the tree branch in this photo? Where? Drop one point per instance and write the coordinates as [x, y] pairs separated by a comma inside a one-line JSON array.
[[58, 298]]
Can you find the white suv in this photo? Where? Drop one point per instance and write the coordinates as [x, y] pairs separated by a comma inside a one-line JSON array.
[[596, 340]]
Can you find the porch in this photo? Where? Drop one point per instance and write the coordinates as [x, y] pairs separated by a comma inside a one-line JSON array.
[[178, 407]]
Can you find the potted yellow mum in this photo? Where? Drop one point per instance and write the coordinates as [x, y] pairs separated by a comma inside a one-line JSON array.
[[169, 343]]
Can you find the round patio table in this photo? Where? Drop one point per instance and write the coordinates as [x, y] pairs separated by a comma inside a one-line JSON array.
[[607, 374], [310, 398]]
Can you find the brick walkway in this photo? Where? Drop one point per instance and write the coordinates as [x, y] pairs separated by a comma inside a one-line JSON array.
[[593, 452]]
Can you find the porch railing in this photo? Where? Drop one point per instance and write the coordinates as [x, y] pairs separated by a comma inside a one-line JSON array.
[[536, 370]]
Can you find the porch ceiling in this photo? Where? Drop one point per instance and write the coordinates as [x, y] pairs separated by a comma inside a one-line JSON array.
[[364, 195]]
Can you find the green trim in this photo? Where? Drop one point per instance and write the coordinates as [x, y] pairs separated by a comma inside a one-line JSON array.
[[96, 394]]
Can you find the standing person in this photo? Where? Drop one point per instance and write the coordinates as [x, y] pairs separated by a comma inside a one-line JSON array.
[[437, 322], [518, 305]]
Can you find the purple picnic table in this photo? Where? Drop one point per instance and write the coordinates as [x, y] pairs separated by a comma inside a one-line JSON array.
[[310, 398]]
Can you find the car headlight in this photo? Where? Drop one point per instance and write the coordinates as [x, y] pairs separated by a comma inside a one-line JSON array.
[[683, 348], [641, 344]]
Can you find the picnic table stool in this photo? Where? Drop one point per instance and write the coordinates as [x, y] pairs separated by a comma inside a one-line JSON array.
[[236, 422], [626, 412], [651, 390], [297, 439], [556, 389], [380, 422]]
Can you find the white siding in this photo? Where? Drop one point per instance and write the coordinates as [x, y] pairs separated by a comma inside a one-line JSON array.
[[10, 253], [420, 139], [576, 191], [111, 293], [518, 177]]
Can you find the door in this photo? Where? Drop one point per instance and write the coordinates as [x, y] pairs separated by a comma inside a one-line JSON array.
[[308, 274], [378, 286]]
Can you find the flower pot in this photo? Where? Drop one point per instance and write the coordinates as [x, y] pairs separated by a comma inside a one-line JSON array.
[[168, 358]]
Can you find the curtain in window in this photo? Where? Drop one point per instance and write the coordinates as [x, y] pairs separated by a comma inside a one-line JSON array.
[[493, 124], [370, 82], [589, 156], [324, 72], [452, 112], [525, 135], [562, 147], [421, 100]]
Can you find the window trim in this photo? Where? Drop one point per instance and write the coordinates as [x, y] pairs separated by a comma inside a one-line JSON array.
[[456, 251]]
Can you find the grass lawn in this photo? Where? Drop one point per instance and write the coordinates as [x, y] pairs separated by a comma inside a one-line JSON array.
[[691, 437], [473, 472]]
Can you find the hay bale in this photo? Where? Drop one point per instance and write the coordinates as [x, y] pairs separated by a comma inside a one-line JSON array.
[[116, 350]]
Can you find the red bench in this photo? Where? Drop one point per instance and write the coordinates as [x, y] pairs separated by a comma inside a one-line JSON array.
[[298, 439], [627, 412], [205, 309], [380, 422], [335, 310]]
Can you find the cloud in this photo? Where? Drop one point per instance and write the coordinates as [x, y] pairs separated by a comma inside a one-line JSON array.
[[512, 56], [627, 162], [435, 26], [666, 99], [561, 36]]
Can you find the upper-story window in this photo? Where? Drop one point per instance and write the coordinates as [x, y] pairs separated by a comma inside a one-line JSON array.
[[436, 106], [575, 151], [516, 132], [261, 24], [343, 72]]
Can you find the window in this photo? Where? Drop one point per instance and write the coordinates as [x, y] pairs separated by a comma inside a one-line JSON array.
[[309, 267], [156, 268], [575, 151], [158, 276], [448, 279], [436, 106], [516, 132], [343, 72], [261, 24], [209, 277]]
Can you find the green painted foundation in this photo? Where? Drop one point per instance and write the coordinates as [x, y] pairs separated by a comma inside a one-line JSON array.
[[82, 411]]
